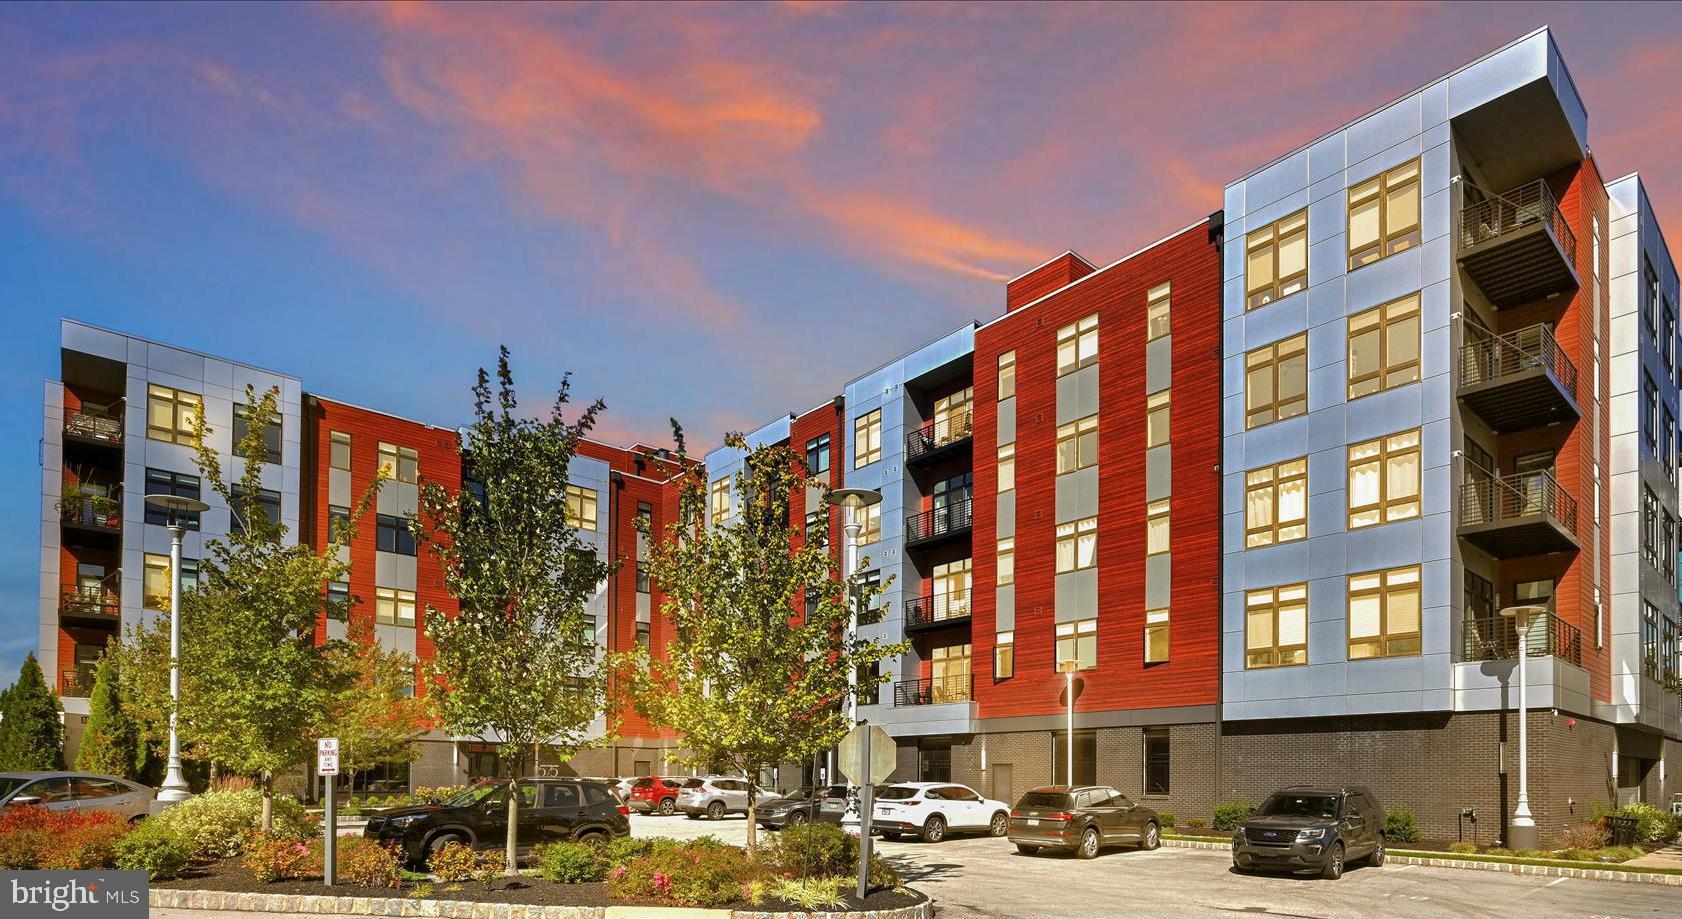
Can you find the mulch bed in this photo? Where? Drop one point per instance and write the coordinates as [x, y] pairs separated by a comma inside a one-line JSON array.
[[232, 877]]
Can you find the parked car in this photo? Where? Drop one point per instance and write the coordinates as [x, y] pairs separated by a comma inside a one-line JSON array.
[[932, 809], [618, 786], [1305, 829], [84, 791], [824, 804], [713, 796], [1082, 819], [656, 794], [551, 810]]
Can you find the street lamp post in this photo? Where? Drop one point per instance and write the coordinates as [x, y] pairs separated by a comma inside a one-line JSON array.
[[1069, 667], [852, 502], [174, 788], [1521, 833]]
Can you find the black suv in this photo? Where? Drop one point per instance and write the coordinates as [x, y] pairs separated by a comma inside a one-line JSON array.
[[551, 810], [1307, 829]]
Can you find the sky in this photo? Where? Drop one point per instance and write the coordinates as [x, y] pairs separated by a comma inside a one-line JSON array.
[[714, 212]]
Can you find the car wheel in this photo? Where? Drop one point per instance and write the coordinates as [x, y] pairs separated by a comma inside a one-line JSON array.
[[667, 806], [935, 829], [715, 810], [1334, 862], [1088, 847], [1376, 859], [1026, 849], [1000, 824], [439, 842], [796, 818], [595, 839], [1152, 837]]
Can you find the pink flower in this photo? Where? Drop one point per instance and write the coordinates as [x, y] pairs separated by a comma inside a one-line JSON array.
[[662, 882], [617, 872]]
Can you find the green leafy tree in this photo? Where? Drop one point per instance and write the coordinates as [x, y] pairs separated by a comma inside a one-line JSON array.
[[516, 663], [377, 716], [31, 726], [750, 680], [111, 739]]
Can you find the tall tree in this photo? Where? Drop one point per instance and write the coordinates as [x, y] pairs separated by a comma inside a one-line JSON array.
[[377, 716], [761, 669], [111, 741], [516, 663], [31, 723]]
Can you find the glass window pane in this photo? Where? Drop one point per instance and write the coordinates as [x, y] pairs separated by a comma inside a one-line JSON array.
[[1403, 610], [1401, 211], [1363, 484], [1363, 616], [1363, 224], [1293, 625], [1258, 628], [1261, 268], [1293, 255], [1293, 500]]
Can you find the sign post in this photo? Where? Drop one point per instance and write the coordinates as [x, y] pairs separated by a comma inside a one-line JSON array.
[[327, 766], [867, 757]]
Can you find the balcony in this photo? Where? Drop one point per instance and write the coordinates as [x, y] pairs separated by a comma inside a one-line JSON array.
[[1496, 638], [939, 438], [100, 515], [1519, 380], [99, 606], [1517, 245], [101, 428], [938, 691], [1518, 515], [939, 525], [937, 611], [77, 683]]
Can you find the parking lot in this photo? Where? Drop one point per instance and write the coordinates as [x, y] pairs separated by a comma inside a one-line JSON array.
[[979, 876]]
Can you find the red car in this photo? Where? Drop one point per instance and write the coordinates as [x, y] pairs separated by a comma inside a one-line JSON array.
[[655, 794]]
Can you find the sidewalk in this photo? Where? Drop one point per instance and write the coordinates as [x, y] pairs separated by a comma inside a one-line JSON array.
[[1668, 857]]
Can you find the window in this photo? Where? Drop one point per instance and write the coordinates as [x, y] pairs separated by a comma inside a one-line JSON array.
[[1156, 419], [645, 518], [867, 439], [1156, 527], [1276, 382], [870, 585], [1276, 503], [870, 524], [268, 504], [587, 629], [1077, 345], [1156, 312], [171, 414], [1384, 613], [1077, 545], [1276, 626], [1156, 761], [394, 607], [1384, 480], [1004, 655], [338, 450], [1384, 215], [1650, 413], [1276, 260], [642, 635], [817, 455], [338, 600], [1078, 641], [1156, 636], [338, 522], [1007, 375], [392, 534], [180, 484], [400, 463], [1077, 444], [817, 525], [154, 589], [643, 585], [1007, 467], [1085, 759], [1006, 573], [1650, 664], [271, 432], [1384, 347], [581, 508], [1649, 526], [718, 500]]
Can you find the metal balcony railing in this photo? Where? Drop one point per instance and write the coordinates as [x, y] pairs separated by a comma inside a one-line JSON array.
[[953, 517], [934, 691], [1498, 498], [1496, 638], [941, 432], [76, 683], [97, 511], [1513, 210], [101, 600], [106, 425], [933, 609], [1507, 355]]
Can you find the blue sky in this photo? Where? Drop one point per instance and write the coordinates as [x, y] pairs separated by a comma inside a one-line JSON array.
[[719, 212]]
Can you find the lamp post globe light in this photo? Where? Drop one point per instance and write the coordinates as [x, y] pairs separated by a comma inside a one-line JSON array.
[[1521, 833], [852, 502], [174, 788]]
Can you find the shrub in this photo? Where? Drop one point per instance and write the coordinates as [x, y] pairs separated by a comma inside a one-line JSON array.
[[811, 894], [1587, 834], [620, 850], [1165, 819], [154, 848], [1399, 825], [34, 838], [367, 863], [1197, 823], [707, 875], [823, 850], [1227, 816], [1464, 848], [1497, 850], [1618, 853], [571, 863], [216, 824], [1528, 853], [272, 858], [454, 862], [1652, 824]]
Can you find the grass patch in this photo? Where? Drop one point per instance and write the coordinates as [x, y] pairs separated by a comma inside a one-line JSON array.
[[1546, 862]]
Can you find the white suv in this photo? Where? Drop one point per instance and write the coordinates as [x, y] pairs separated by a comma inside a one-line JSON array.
[[931, 809], [714, 796]]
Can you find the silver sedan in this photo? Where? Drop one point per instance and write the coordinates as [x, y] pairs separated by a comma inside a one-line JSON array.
[[75, 791]]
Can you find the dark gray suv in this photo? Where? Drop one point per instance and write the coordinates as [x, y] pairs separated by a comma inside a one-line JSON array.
[[1311, 830]]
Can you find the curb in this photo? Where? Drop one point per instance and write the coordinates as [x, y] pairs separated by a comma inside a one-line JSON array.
[[1545, 871], [174, 898]]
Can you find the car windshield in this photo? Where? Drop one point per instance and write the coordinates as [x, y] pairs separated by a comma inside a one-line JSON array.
[[1300, 806], [694, 783], [895, 793], [1048, 799], [473, 794], [9, 785]]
